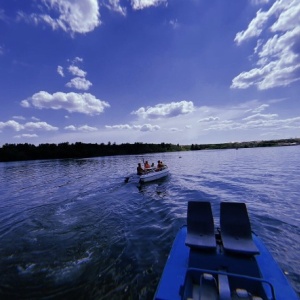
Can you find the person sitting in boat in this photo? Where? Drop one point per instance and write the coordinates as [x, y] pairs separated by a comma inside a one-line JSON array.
[[139, 169], [146, 165], [159, 165]]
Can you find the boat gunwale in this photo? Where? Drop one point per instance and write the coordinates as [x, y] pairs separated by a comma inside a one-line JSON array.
[[176, 268], [154, 174]]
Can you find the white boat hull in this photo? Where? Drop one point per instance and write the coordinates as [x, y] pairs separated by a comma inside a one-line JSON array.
[[154, 175]]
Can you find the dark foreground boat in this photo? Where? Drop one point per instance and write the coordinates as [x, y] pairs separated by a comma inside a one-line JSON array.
[[230, 263]]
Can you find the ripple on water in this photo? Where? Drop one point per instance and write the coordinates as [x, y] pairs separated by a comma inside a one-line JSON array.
[[74, 229]]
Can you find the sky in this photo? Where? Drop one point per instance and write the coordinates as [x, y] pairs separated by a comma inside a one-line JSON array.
[[149, 71]]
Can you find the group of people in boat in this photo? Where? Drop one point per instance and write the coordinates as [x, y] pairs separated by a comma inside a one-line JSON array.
[[147, 168]]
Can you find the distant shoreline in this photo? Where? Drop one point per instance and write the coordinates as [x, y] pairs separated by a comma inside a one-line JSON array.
[[22, 152]]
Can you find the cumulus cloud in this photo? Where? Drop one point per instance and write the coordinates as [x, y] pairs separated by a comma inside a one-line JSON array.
[[60, 71], [39, 126], [115, 5], [144, 127], [74, 70], [168, 110], [79, 83], [77, 59], [84, 103], [120, 126], [70, 127], [277, 53], [12, 125], [85, 128], [254, 29], [141, 4], [76, 16], [30, 126], [147, 127]]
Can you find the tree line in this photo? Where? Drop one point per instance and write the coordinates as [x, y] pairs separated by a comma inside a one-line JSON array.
[[16, 152], [251, 144]]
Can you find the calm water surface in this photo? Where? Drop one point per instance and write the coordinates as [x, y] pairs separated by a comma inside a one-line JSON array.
[[73, 229]]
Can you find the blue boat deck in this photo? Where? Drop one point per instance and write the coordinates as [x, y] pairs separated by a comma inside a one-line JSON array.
[[198, 272]]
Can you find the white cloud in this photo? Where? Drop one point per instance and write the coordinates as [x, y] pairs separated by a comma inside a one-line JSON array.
[[209, 119], [77, 59], [116, 6], [223, 125], [79, 16], [30, 126], [35, 119], [79, 83], [76, 16], [144, 127], [258, 121], [87, 128], [169, 110], [278, 54], [18, 117], [254, 29], [26, 135], [60, 71], [39, 126], [70, 127], [258, 2], [72, 102], [147, 127], [120, 126], [12, 125], [260, 108], [261, 116], [141, 4], [74, 70]]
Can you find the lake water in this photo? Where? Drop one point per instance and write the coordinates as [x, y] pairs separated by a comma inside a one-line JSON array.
[[73, 229]]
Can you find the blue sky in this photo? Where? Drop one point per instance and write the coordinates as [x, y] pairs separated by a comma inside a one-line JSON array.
[[152, 71]]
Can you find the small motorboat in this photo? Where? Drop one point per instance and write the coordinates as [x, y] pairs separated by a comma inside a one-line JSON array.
[[151, 174], [154, 174], [228, 263]]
